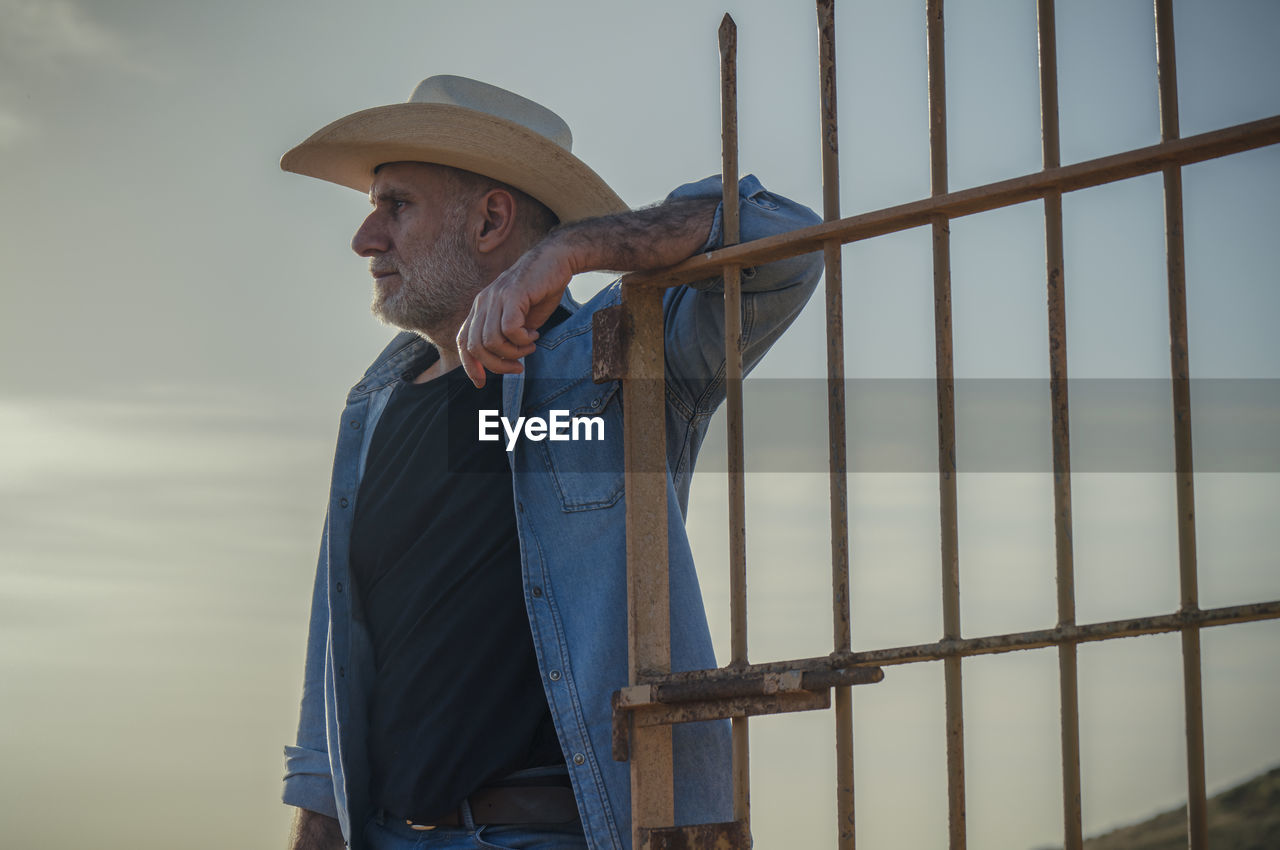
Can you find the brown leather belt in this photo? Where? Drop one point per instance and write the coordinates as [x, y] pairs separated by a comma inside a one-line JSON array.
[[539, 804]]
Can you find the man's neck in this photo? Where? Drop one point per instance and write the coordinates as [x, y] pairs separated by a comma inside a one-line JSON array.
[[438, 369], [448, 358]]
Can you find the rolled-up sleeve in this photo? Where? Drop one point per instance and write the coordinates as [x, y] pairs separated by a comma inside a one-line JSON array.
[[307, 781], [773, 294]]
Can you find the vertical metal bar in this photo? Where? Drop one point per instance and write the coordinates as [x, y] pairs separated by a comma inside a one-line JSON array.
[[648, 586], [946, 427], [837, 473], [1068, 680], [733, 389], [1197, 819]]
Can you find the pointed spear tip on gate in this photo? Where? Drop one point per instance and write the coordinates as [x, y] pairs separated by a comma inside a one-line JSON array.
[[728, 28]]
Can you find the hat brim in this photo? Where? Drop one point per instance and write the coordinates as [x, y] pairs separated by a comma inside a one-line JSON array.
[[347, 151]]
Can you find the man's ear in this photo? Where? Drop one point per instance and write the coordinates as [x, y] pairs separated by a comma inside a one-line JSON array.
[[497, 220]]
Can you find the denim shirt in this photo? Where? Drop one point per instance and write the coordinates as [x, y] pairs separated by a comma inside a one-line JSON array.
[[570, 517]]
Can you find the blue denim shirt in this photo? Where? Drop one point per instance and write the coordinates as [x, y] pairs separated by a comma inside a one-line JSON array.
[[571, 520]]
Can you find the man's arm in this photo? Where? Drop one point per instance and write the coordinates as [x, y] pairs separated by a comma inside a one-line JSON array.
[[314, 831], [308, 783], [504, 318]]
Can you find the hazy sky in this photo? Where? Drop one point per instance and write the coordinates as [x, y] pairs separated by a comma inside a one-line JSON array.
[[180, 320]]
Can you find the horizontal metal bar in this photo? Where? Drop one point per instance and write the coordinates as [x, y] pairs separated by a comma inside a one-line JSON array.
[[736, 695], [632, 716], [747, 685], [1000, 643], [1094, 172], [719, 709]]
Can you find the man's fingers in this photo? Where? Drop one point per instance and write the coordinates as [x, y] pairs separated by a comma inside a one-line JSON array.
[[504, 333], [514, 327], [484, 341], [475, 371], [494, 341], [498, 331], [482, 345], [473, 367]]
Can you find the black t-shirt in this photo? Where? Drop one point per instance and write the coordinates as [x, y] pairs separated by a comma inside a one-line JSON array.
[[457, 700]]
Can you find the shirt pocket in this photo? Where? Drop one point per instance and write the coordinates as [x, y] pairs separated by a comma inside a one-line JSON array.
[[583, 461]]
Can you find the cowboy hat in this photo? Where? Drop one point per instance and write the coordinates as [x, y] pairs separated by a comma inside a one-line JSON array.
[[466, 124]]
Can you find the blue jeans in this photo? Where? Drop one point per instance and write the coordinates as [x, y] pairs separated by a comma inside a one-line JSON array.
[[396, 835]]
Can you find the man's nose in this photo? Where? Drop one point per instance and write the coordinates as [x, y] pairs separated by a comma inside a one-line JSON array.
[[371, 238]]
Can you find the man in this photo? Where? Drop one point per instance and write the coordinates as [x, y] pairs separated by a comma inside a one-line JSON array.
[[468, 620]]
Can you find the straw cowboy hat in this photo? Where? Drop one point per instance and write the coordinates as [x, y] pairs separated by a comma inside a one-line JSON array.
[[466, 124]]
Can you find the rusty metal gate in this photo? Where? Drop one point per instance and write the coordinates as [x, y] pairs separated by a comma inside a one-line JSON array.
[[629, 347]]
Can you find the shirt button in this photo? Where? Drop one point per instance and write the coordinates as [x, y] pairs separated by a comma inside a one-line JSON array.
[[339, 587], [579, 759], [520, 507], [355, 423], [342, 671], [555, 675], [537, 592], [343, 502], [595, 402], [360, 388]]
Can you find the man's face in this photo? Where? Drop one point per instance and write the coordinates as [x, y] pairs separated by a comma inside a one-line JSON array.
[[425, 274]]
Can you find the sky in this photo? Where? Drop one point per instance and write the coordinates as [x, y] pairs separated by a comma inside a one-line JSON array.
[[180, 321]]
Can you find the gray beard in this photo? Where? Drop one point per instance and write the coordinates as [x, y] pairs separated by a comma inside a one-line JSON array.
[[435, 290]]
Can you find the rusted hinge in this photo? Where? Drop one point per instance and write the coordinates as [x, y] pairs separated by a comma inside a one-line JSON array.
[[741, 696], [733, 835]]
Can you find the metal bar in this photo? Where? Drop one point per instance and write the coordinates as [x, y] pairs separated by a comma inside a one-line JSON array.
[[748, 685], [609, 338], [648, 586], [733, 406], [995, 644], [1166, 63], [953, 683], [838, 482], [1016, 190], [1068, 678], [734, 835], [697, 711], [633, 712]]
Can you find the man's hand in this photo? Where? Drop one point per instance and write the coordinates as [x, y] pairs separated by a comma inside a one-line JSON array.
[[504, 319], [506, 314], [314, 831]]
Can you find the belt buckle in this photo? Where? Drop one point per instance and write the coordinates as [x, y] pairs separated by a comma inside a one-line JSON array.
[[419, 826]]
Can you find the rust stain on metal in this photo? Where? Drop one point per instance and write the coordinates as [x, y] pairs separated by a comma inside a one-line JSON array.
[[733, 835], [837, 483], [696, 700], [630, 720], [1068, 178], [628, 346], [827, 74], [621, 731], [1179, 364], [733, 404], [610, 331], [699, 685], [648, 582], [992, 644], [1068, 676], [726, 707], [953, 682]]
